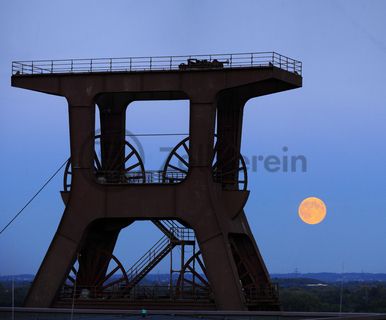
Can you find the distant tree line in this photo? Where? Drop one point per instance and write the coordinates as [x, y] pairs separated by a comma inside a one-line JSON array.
[[356, 297], [20, 292], [295, 295]]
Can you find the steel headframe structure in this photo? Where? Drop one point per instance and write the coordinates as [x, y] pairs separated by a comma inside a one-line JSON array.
[[197, 201]]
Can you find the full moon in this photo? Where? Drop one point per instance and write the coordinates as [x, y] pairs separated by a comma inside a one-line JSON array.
[[312, 210]]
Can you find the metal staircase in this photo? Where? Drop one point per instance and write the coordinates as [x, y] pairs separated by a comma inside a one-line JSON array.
[[174, 235], [168, 228], [185, 283]]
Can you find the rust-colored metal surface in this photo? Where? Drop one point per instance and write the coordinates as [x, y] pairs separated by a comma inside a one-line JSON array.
[[198, 204]]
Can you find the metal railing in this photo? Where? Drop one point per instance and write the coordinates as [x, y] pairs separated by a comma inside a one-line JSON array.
[[158, 248], [138, 177], [158, 292], [139, 292], [155, 177], [161, 63], [263, 292], [252, 295], [179, 232]]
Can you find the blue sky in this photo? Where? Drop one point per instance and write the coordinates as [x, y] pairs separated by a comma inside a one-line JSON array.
[[337, 120]]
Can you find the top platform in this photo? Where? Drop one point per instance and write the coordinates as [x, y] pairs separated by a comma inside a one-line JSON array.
[[161, 63]]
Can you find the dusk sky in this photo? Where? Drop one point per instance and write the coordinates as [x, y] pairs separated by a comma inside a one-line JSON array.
[[336, 120]]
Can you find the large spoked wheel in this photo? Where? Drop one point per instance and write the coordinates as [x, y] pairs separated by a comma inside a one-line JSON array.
[[106, 285], [177, 163], [177, 166], [67, 176], [191, 282], [130, 170]]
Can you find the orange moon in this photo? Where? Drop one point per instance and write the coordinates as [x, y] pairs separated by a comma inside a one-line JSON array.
[[312, 210]]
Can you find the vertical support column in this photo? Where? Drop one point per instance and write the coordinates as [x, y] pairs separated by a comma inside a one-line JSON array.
[[220, 270], [210, 231], [252, 271], [97, 248], [82, 129], [202, 123], [113, 125], [100, 238], [229, 128], [230, 119], [77, 215]]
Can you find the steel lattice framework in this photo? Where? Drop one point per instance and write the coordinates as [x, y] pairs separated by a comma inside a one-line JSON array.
[[196, 201]]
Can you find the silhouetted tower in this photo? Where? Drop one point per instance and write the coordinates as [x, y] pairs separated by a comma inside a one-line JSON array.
[[203, 186]]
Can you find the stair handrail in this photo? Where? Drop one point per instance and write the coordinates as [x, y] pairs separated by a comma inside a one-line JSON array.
[[150, 265], [146, 257]]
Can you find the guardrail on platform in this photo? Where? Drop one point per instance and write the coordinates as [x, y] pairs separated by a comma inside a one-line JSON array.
[[162, 63], [116, 296], [138, 177]]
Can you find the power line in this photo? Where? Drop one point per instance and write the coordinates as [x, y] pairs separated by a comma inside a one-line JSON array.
[[35, 195]]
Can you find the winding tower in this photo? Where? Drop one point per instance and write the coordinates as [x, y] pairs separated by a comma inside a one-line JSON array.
[[197, 200]]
